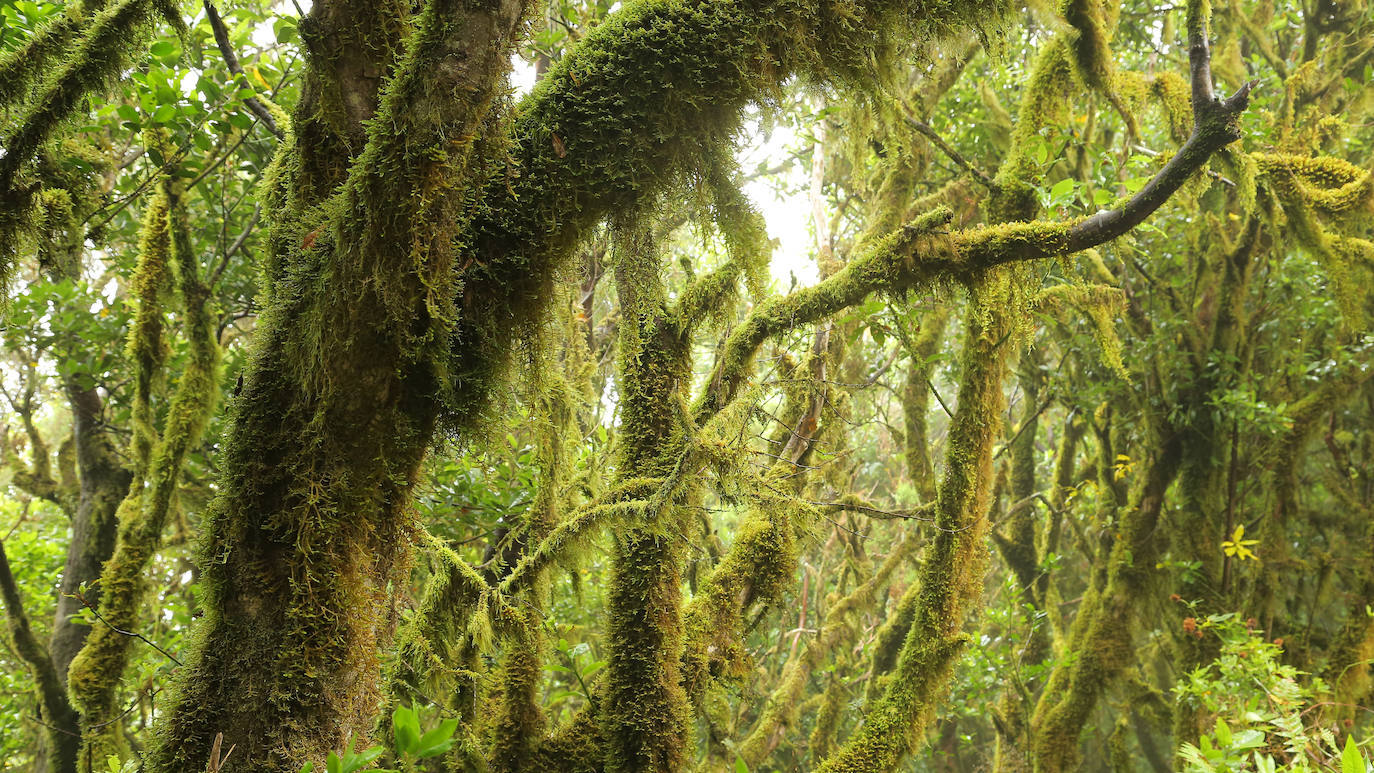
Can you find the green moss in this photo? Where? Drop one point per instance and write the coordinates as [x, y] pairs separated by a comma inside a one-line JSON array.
[[1103, 305], [644, 718], [838, 632], [338, 406], [96, 671], [642, 101], [22, 66], [96, 59], [951, 572]]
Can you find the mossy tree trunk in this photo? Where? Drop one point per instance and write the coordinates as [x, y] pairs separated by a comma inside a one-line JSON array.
[[104, 483], [644, 722], [342, 392], [97, 669], [951, 572]]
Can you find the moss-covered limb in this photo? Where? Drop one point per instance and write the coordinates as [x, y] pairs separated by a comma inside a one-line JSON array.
[[1348, 665], [1101, 634], [1285, 453], [884, 265], [24, 66], [580, 527], [763, 556], [1052, 530], [35, 477], [746, 239], [644, 719], [575, 748], [780, 709], [520, 723], [639, 102], [910, 257], [350, 48], [61, 737], [104, 480], [951, 572], [103, 50], [146, 346], [439, 646], [95, 60], [1332, 185], [1020, 551], [96, 671], [915, 397], [887, 644], [104, 483], [338, 405], [916, 402]]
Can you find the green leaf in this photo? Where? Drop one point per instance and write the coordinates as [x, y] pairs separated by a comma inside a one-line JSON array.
[[406, 727], [1062, 189], [162, 48], [438, 740], [740, 767], [1247, 739], [1352, 761], [285, 29], [241, 121], [356, 762], [1223, 733]]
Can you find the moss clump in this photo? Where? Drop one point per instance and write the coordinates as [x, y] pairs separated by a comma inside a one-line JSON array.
[[96, 671], [951, 573]]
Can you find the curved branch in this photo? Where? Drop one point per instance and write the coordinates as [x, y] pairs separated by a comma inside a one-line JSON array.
[[916, 255]]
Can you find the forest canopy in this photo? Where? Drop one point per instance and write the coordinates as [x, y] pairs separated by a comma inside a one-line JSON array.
[[686, 385]]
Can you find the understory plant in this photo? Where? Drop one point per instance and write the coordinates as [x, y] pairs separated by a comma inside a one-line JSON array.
[[1266, 714]]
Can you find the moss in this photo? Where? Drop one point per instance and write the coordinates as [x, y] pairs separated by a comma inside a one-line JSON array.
[[96, 59], [916, 402], [146, 346], [951, 572], [520, 724], [644, 718], [572, 749], [96, 671], [1101, 634], [821, 742], [837, 633], [22, 66], [642, 101], [913, 256], [60, 720], [338, 406], [1331, 185], [1104, 305]]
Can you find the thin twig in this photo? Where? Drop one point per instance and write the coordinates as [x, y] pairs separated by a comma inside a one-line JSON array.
[[133, 634], [954, 155]]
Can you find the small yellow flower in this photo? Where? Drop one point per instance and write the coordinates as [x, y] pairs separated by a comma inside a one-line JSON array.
[[1239, 546]]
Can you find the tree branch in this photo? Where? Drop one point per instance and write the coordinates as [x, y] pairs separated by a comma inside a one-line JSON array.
[[226, 49], [917, 254]]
